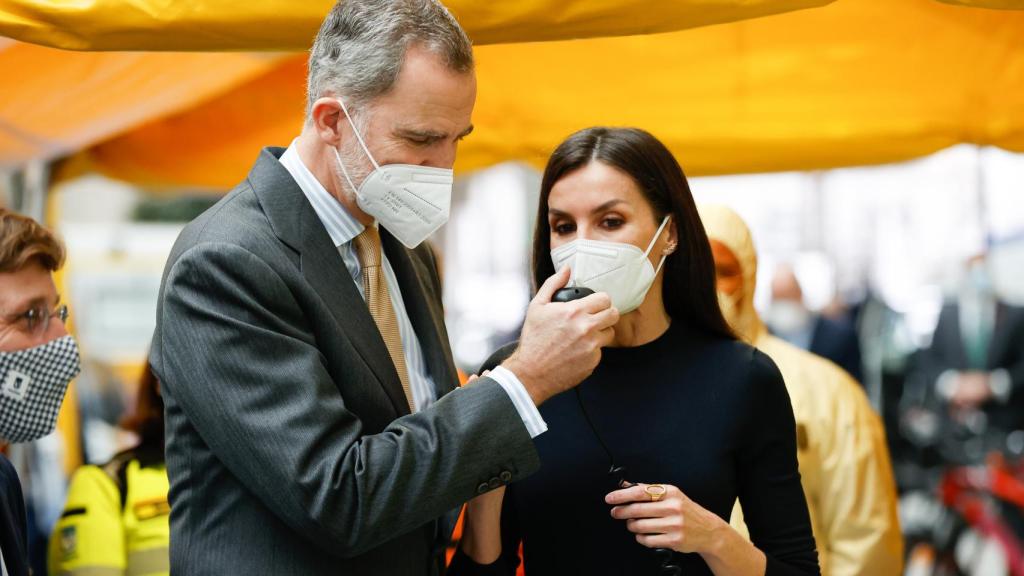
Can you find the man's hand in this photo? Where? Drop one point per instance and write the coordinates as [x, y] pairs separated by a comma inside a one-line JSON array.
[[972, 390], [561, 342]]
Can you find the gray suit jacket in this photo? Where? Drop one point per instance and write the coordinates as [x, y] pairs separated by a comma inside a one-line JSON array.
[[290, 448]]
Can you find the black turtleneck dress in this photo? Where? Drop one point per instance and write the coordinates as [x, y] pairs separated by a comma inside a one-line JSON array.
[[706, 414]]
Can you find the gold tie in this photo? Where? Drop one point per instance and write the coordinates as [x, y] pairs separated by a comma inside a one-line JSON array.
[[379, 302]]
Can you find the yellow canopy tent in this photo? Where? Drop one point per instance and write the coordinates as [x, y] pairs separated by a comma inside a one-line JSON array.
[[997, 4], [54, 102], [856, 82], [288, 25]]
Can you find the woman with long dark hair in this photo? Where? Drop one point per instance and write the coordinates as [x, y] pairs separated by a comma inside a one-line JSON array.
[[642, 463]]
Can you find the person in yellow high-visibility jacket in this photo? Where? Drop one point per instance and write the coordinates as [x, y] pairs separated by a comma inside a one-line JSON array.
[[115, 521], [841, 448]]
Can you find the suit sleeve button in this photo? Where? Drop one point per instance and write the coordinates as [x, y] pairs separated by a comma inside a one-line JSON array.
[[505, 476], [494, 483], [483, 487]]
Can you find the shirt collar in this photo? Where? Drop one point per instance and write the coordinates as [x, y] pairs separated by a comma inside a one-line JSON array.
[[341, 226]]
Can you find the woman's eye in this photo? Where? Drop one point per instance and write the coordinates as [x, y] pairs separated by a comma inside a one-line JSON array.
[[613, 223], [563, 228]]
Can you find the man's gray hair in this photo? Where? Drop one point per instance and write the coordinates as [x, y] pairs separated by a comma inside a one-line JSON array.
[[361, 45]]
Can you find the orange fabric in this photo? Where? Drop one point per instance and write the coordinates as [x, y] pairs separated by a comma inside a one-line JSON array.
[[222, 137], [853, 83], [997, 4], [54, 102], [456, 537], [286, 25]]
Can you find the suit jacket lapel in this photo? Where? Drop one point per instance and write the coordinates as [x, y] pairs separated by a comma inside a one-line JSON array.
[[421, 303], [297, 225]]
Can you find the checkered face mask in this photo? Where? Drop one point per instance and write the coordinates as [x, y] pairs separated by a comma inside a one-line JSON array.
[[32, 386]]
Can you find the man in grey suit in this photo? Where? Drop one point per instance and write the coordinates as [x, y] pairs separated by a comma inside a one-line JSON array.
[[313, 424]]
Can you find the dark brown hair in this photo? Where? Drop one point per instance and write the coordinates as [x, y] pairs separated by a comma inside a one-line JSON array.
[[23, 240], [147, 421], [689, 285]]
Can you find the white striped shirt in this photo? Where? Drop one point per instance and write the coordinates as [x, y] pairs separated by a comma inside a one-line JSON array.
[[342, 227]]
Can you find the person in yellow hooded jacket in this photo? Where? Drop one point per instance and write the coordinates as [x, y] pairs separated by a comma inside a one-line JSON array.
[[115, 521], [842, 452]]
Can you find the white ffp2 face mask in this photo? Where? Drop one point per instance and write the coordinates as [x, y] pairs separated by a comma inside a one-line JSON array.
[[411, 202], [788, 318], [621, 270], [32, 387]]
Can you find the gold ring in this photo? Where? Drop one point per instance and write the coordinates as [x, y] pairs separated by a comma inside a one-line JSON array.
[[655, 491]]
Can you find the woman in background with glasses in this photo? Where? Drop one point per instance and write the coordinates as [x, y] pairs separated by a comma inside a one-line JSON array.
[[696, 418]]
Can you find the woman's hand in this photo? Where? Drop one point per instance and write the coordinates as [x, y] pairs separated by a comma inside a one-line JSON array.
[[671, 521]]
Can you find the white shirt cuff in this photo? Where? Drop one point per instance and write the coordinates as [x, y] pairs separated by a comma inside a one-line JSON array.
[[528, 411]]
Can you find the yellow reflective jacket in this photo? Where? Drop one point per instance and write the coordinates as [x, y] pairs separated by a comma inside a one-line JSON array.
[[844, 460], [115, 522]]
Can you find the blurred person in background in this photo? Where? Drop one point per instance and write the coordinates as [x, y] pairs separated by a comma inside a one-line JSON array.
[[975, 364], [789, 319], [115, 521], [844, 461], [38, 359]]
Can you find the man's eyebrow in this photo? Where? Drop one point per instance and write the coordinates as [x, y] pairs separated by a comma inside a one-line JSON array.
[[420, 134], [426, 134]]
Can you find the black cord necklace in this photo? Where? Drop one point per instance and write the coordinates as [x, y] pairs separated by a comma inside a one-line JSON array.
[[615, 472], [618, 475]]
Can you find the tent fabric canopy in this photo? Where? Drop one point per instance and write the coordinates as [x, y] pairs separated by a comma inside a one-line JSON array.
[[857, 82], [54, 102], [279, 25], [996, 4], [854, 82]]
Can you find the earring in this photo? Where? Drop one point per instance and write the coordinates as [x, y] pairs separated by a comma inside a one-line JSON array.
[[669, 248]]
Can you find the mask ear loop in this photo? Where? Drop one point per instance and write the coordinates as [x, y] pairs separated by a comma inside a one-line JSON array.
[[356, 132], [654, 240], [337, 155]]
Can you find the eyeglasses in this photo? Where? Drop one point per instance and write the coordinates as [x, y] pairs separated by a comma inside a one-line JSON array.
[[36, 320]]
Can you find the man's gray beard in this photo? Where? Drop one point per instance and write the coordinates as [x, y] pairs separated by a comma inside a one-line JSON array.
[[358, 166]]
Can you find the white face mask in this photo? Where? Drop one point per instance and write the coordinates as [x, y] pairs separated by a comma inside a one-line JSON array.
[[621, 270], [979, 279], [411, 202], [788, 318], [32, 387]]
